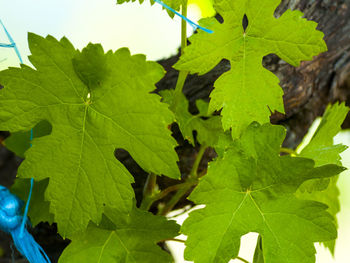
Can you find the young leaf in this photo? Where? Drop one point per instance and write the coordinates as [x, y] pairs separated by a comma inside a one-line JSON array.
[[321, 148], [208, 131], [322, 151], [132, 241], [39, 209], [90, 118], [251, 189], [258, 253], [174, 4], [249, 92], [19, 142]]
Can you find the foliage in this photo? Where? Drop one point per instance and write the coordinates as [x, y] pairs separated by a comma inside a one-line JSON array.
[[91, 115], [249, 92], [208, 129], [39, 207], [250, 189], [83, 105], [19, 142], [322, 151], [133, 240], [174, 4]]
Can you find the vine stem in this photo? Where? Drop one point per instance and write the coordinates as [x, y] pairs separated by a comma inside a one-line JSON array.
[[193, 177], [149, 191], [242, 259], [182, 74], [173, 188], [287, 150], [173, 239], [193, 174], [149, 200]]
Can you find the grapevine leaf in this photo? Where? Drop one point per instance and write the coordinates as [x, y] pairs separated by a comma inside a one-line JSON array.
[[208, 130], [321, 148], [258, 253], [174, 4], [132, 241], [249, 92], [39, 209], [251, 189], [203, 108], [322, 151], [19, 142], [90, 118]]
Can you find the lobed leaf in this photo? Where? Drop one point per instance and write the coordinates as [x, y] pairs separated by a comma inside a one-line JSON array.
[[208, 130], [249, 92], [39, 209], [90, 118], [19, 142], [134, 240], [322, 150], [251, 189]]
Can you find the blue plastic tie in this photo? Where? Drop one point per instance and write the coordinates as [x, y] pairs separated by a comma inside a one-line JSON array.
[[30, 193], [12, 43], [11, 220], [193, 24]]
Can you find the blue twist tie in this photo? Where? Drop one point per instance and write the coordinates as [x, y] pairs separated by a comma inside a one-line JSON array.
[[193, 24], [10, 222], [12, 43], [29, 196]]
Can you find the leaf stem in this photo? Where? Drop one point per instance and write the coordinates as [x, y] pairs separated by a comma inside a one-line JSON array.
[[242, 259], [193, 177], [194, 170], [173, 239], [149, 191], [184, 28], [182, 74], [173, 188], [148, 200], [287, 150]]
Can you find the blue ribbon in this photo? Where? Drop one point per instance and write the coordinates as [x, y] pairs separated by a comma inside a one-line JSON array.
[[10, 222], [193, 24], [29, 196], [12, 43]]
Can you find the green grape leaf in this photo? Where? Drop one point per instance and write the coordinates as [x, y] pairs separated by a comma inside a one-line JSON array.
[[19, 142], [321, 148], [208, 130], [90, 119], [249, 92], [174, 4], [258, 253], [135, 240], [251, 189], [39, 209], [322, 151]]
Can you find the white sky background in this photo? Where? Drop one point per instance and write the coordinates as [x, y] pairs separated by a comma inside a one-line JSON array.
[[143, 29]]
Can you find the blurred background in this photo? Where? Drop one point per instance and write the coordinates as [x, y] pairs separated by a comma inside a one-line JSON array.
[[143, 29]]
